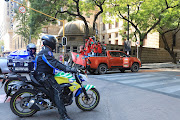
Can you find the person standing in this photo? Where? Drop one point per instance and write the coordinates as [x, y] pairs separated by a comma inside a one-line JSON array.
[[95, 49], [99, 48]]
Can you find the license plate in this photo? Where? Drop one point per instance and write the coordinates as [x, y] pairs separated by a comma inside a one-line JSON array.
[[126, 65]]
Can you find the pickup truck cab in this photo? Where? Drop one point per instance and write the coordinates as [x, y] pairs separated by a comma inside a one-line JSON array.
[[113, 59]]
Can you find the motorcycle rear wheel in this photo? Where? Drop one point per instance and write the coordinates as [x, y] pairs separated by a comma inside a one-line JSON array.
[[18, 98], [88, 105]]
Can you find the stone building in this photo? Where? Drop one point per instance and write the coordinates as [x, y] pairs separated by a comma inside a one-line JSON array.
[[74, 31]]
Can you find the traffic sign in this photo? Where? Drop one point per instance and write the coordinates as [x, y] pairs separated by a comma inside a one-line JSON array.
[[137, 43], [22, 9]]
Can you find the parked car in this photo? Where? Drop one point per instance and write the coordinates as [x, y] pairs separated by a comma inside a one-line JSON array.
[[113, 59], [3, 66]]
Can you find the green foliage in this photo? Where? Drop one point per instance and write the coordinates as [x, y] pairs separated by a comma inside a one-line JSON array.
[[123, 32], [144, 16], [60, 9], [23, 28]]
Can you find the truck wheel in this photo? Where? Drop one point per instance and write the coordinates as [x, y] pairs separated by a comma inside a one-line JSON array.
[[92, 71], [102, 69], [135, 67]]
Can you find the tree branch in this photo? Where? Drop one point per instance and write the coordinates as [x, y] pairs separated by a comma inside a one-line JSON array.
[[97, 14], [166, 3]]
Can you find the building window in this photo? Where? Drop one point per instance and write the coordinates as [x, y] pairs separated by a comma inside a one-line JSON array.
[[109, 35], [21, 41], [116, 34], [18, 42], [45, 30], [110, 26], [116, 42], [116, 24], [103, 37], [104, 27], [74, 49], [67, 48], [109, 42]]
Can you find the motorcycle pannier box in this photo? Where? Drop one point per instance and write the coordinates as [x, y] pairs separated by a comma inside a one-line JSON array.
[[20, 62]]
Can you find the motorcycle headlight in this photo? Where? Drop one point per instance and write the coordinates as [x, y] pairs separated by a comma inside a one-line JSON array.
[[83, 77]]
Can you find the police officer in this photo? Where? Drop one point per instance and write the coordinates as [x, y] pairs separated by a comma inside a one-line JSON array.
[[31, 48], [46, 63]]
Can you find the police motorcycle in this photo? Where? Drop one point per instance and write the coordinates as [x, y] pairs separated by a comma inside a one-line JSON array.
[[20, 64], [27, 101]]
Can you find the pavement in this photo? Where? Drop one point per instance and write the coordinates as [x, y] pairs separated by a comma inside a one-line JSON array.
[[169, 65]]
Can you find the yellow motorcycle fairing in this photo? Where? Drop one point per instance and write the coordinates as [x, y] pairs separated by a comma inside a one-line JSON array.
[[61, 80]]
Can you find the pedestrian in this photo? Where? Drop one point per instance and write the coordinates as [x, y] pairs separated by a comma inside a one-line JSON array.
[[95, 49], [82, 52], [61, 58], [99, 49], [45, 67]]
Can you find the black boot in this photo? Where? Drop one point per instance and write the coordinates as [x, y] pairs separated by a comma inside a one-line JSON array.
[[65, 117]]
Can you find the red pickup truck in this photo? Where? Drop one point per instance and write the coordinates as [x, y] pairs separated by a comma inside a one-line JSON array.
[[112, 59]]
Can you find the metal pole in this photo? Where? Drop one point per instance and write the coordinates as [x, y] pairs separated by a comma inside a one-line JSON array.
[[137, 51], [63, 45], [128, 29]]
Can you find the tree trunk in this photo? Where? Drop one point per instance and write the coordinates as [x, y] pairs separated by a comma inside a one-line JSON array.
[[140, 51], [167, 48]]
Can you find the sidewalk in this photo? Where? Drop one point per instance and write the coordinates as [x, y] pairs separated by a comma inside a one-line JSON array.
[[160, 65]]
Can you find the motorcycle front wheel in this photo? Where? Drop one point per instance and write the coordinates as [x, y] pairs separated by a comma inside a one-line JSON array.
[[19, 103], [88, 104]]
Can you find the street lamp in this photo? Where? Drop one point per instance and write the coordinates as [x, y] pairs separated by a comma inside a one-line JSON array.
[[128, 30], [128, 42]]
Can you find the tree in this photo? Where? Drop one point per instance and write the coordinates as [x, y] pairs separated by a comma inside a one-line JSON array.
[[64, 9], [123, 32], [144, 16], [170, 24], [23, 28]]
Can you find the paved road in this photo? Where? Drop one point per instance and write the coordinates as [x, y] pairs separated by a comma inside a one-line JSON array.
[[119, 100], [165, 81]]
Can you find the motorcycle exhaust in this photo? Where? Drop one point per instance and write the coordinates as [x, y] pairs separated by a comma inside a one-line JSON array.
[[35, 104]]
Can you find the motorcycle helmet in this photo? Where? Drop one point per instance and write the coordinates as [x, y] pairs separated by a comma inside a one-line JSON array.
[[31, 48], [50, 41]]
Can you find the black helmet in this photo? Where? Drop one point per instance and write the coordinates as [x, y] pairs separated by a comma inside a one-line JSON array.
[[50, 41], [31, 46]]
